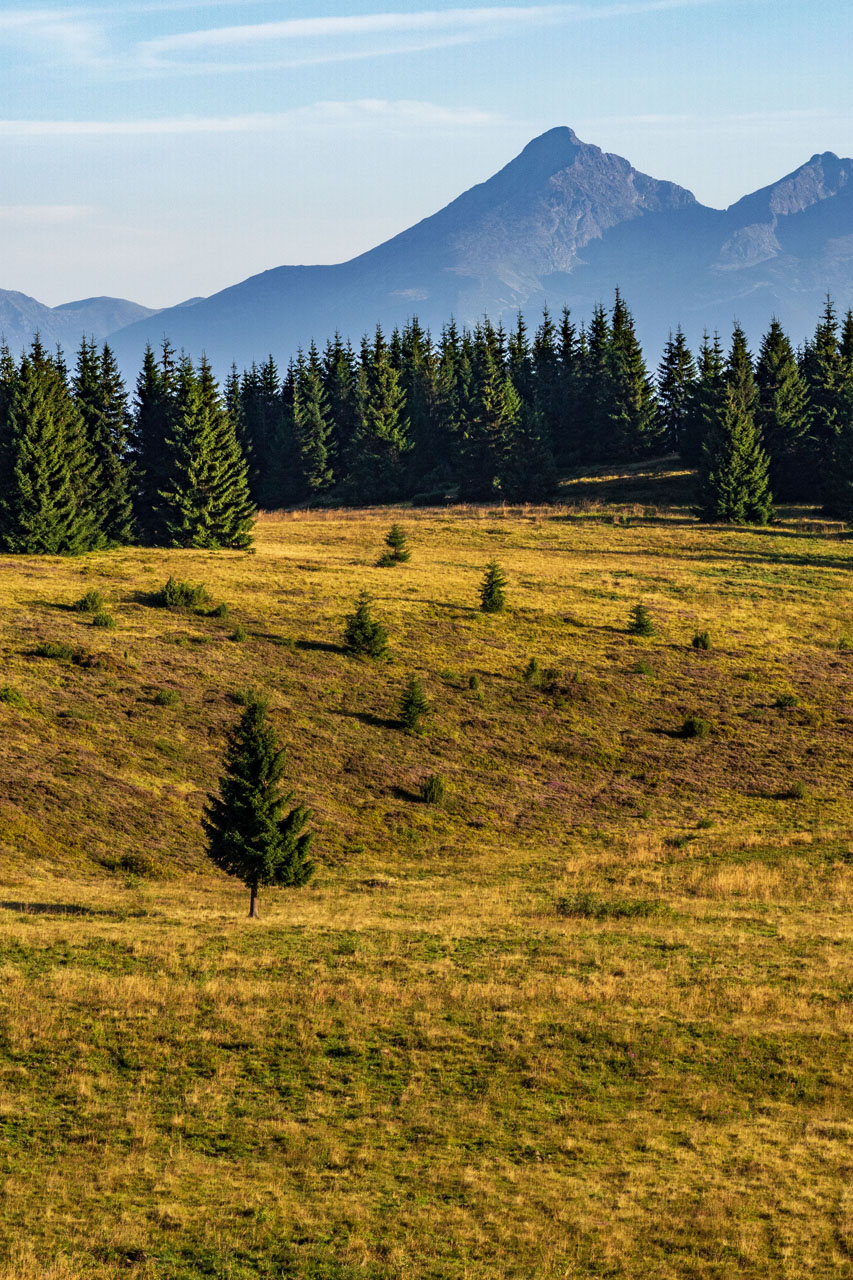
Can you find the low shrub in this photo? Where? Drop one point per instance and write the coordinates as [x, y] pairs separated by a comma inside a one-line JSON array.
[[12, 697], [702, 640], [104, 620], [532, 672], [785, 701], [221, 611], [433, 789], [643, 669], [239, 634], [798, 791], [166, 698], [54, 649], [474, 683], [589, 906], [175, 594], [695, 727], [91, 602]]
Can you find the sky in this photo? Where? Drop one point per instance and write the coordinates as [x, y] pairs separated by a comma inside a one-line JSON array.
[[164, 149]]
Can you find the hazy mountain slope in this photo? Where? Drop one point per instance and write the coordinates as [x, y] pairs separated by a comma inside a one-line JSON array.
[[21, 317], [563, 223]]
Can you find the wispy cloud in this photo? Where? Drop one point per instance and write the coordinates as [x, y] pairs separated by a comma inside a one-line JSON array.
[[375, 112], [92, 37], [43, 214], [272, 43]]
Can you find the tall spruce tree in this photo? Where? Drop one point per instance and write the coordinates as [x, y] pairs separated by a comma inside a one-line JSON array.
[[101, 398], [707, 401], [634, 427], [732, 484], [206, 502], [595, 391], [46, 506], [251, 833], [783, 415], [676, 378], [312, 426], [151, 428], [381, 440]]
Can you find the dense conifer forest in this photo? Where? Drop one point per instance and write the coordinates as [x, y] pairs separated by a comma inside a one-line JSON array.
[[481, 415]]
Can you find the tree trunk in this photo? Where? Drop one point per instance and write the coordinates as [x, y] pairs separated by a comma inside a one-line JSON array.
[[254, 914]]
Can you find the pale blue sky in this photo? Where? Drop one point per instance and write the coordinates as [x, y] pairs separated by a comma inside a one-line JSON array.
[[159, 149]]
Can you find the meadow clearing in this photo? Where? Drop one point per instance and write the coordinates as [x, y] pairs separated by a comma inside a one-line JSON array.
[[589, 1017]]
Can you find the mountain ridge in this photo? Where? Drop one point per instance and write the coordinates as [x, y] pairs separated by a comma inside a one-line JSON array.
[[562, 223]]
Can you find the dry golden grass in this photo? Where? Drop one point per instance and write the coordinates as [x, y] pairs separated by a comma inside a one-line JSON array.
[[422, 1066]]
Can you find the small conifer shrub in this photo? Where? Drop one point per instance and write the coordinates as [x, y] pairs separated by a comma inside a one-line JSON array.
[[786, 701], [12, 697], [54, 649], [364, 637], [221, 611], [643, 669], [239, 634], [641, 623], [695, 727], [798, 791], [414, 707], [397, 548], [103, 619], [166, 698], [91, 602], [474, 682], [702, 640], [492, 595], [250, 831], [175, 594], [433, 789], [533, 672]]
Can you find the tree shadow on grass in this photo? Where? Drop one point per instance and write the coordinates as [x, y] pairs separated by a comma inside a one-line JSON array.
[[367, 717], [57, 909], [401, 793]]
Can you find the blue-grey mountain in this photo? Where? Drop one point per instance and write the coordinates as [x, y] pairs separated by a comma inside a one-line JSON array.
[[564, 224]]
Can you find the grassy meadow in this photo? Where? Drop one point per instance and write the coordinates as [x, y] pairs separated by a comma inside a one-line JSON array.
[[590, 1017]]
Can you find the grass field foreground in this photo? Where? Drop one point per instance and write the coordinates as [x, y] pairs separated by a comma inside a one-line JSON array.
[[589, 1017]]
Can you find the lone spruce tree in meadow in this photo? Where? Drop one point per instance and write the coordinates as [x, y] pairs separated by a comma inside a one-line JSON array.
[[492, 597], [397, 549], [250, 831], [364, 637], [414, 707]]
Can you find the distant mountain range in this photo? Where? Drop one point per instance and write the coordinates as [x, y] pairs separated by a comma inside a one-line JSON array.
[[22, 317], [562, 224]]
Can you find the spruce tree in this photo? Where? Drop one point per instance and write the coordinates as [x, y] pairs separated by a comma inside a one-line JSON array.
[[707, 401], [152, 427], [595, 389], [493, 420], [565, 430], [312, 426], [527, 473], [676, 378], [732, 485], [381, 439], [492, 595], [783, 415], [414, 707], [364, 637], [273, 465], [830, 386], [100, 396], [46, 506], [206, 501], [634, 428], [249, 832], [397, 548]]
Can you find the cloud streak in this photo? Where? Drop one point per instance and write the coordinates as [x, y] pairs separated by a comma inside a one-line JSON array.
[[430, 28], [363, 112]]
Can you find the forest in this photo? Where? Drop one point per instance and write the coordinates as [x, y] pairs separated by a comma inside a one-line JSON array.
[[480, 415]]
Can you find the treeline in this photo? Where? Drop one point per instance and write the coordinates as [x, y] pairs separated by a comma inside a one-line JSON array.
[[481, 414]]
